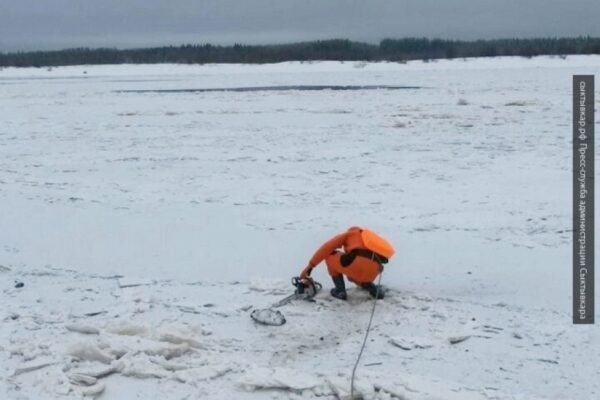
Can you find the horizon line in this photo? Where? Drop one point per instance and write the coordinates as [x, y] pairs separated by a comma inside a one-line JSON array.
[[333, 39]]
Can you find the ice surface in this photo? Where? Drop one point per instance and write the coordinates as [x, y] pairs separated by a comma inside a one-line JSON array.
[[86, 351], [82, 379], [410, 343], [162, 220], [279, 378], [85, 329], [32, 366]]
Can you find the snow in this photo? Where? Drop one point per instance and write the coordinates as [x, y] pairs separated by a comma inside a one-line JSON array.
[[88, 352], [279, 378], [147, 227], [410, 343], [88, 330]]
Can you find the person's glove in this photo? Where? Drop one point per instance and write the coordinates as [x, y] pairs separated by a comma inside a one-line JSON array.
[[305, 274]]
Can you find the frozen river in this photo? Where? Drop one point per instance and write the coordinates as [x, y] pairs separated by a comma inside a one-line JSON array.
[[234, 174], [123, 168]]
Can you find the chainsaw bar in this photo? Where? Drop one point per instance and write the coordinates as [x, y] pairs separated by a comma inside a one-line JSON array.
[[306, 289], [289, 299]]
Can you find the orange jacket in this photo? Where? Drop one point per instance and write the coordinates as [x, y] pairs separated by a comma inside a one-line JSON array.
[[349, 240]]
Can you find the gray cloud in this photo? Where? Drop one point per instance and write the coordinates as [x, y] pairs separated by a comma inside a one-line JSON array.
[[52, 24]]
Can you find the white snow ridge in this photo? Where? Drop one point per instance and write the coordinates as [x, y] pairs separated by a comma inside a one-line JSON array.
[[219, 352]]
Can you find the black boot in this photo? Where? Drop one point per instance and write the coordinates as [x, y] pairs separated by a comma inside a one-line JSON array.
[[375, 291], [339, 291]]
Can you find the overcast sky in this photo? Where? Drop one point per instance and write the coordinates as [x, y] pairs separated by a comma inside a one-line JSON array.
[[55, 24]]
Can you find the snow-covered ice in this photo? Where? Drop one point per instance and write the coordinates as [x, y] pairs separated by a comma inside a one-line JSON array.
[[145, 228]]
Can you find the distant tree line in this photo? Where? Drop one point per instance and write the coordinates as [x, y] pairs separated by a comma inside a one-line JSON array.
[[398, 50]]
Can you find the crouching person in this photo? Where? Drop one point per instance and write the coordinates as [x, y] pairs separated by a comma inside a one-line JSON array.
[[358, 254]]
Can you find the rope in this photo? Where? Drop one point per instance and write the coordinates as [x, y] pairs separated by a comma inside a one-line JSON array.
[[362, 348]]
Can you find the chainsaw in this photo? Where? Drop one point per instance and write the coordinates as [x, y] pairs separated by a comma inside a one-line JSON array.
[[306, 289]]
